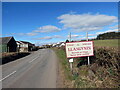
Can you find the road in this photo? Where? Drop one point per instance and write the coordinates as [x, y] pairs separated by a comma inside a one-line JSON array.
[[37, 70]]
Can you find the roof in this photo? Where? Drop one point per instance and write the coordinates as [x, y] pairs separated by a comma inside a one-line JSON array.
[[5, 40], [19, 42], [25, 42]]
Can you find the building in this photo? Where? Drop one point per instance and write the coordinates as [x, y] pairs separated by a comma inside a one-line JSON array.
[[8, 44], [59, 44], [24, 46], [54, 45], [62, 44]]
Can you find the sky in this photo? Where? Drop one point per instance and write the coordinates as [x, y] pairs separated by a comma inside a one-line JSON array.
[[51, 22]]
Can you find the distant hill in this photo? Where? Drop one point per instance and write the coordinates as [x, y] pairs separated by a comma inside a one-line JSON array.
[[109, 35]]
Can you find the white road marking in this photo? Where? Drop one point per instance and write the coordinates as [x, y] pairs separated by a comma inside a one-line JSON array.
[[8, 76], [33, 60]]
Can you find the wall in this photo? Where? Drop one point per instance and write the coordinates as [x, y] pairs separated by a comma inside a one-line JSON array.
[[3, 48]]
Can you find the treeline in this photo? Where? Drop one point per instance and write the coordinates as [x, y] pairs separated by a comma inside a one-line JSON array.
[[109, 35]]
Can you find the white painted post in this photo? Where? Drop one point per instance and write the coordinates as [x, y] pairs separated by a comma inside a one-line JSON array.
[[71, 66], [87, 40], [88, 60]]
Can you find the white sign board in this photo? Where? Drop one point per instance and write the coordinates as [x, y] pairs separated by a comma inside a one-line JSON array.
[[79, 49], [71, 60]]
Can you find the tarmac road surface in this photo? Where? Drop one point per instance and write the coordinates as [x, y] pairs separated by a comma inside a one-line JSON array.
[[37, 70]]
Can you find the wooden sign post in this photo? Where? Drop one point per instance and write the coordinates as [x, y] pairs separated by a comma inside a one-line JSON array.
[[71, 61]]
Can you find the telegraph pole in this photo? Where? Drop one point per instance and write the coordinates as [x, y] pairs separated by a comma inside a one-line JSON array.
[[70, 36], [71, 59], [87, 40]]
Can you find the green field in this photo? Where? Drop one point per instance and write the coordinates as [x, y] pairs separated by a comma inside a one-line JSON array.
[[106, 43]]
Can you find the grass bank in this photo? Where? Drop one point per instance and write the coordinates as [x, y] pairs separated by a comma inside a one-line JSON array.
[[64, 69], [103, 72]]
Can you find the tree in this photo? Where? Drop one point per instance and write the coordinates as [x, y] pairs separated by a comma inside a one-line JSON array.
[[109, 35], [67, 40]]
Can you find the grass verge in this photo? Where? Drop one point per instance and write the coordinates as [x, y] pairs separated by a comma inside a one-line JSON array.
[[102, 73], [63, 62]]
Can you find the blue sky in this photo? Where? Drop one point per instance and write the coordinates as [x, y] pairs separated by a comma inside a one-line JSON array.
[[50, 22]]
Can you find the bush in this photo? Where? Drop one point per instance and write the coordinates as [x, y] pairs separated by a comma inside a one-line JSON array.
[[12, 57]]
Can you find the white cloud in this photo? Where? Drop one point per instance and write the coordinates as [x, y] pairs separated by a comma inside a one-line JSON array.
[[45, 38], [49, 37], [94, 37], [31, 34], [43, 29], [91, 34], [99, 33], [10, 34], [114, 30], [113, 27], [47, 28], [27, 34], [38, 44], [74, 36], [43, 43], [84, 38], [21, 34], [86, 22], [57, 36]]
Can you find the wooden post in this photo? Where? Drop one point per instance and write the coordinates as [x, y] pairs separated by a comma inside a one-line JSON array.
[[87, 40]]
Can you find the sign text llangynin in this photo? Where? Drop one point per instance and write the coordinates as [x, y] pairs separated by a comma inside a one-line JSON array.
[[79, 49]]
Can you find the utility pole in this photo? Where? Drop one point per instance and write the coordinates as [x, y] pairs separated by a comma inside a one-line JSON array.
[[87, 40], [70, 36], [70, 58]]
